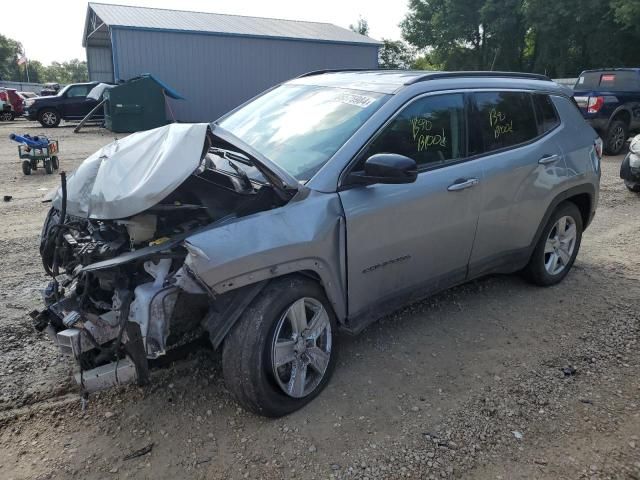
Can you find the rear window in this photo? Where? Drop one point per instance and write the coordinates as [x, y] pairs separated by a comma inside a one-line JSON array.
[[622, 80], [505, 119]]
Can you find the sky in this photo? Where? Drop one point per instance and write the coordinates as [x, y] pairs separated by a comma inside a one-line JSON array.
[[56, 33]]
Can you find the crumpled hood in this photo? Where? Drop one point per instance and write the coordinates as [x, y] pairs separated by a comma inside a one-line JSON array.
[[131, 175]]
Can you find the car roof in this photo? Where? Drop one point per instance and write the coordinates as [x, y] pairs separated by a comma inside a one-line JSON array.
[[392, 81]]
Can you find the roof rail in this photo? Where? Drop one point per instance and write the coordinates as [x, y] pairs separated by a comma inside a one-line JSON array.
[[439, 75], [333, 70]]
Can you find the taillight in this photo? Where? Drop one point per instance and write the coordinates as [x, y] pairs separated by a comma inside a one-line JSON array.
[[595, 104]]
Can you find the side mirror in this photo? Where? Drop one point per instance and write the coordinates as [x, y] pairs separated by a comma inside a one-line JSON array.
[[386, 168]]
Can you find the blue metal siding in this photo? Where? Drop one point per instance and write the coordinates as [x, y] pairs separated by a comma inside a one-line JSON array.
[[216, 73], [99, 64]]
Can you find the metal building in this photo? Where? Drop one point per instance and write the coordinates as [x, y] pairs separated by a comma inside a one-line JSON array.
[[216, 61]]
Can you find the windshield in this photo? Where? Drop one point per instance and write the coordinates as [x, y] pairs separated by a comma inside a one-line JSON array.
[[62, 90], [300, 127]]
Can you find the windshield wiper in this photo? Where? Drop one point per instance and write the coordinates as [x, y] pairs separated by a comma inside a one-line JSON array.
[[230, 155], [246, 183], [285, 184]]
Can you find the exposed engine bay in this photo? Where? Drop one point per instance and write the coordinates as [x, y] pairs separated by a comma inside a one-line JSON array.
[[120, 292]]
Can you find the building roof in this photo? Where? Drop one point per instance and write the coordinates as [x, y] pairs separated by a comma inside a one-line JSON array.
[[215, 23]]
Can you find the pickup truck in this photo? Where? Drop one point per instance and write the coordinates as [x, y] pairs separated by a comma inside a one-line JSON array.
[[609, 100], [71, 103]]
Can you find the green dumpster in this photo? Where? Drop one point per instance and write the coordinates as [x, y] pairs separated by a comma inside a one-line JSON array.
[[137, 105]]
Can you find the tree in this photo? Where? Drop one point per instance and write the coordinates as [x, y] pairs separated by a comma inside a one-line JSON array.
[[627, 13], [10, 50], [557, 38], [452, 29], [395, 55], [73, 71], [361, 27]]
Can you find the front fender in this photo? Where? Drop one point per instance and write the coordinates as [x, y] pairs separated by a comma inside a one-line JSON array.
[[306, 235]]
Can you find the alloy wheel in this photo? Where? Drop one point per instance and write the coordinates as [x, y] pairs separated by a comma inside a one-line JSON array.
[[617, 138], [301, 347], [49, 118], [560, 244]]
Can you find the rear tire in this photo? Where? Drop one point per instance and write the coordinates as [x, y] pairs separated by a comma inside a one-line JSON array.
[[632, 186], [48, 167], [616, 137], [557, 247], [26, 167], [49, 118], [55, 163], [263, 356]]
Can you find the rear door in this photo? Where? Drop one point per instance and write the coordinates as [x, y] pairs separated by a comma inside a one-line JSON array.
[[405, 241], [523, 168]]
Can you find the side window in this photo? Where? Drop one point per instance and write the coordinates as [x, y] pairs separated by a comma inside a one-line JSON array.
[[505, 119], [545, 113], [78, 91], [430, 130]]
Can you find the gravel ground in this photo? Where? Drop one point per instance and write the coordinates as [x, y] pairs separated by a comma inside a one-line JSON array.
[[496, 379]]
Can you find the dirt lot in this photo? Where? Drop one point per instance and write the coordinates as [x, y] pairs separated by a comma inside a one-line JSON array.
[[493, 380]]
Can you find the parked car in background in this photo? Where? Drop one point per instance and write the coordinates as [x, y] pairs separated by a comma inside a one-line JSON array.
[[6, 112], [26, 95], [71, 103], [11, 96], [49, 89], [368, 190], [609, 100], [630, 168]]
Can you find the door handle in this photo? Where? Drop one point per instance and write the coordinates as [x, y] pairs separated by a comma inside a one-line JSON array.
[[548, 159], [463, 184]]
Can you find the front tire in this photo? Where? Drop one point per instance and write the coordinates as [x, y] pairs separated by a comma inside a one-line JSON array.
[[557, 248], [616, 137], [49, 118], [26, 167], [48, 166], [281, 353]]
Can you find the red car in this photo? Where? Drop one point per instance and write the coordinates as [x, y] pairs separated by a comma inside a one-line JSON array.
[[12, 97]]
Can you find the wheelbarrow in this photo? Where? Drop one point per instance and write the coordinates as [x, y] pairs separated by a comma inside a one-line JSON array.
[[32, 150]]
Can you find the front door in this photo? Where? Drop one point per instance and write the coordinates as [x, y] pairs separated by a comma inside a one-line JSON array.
[[405, 241], [76, 104]]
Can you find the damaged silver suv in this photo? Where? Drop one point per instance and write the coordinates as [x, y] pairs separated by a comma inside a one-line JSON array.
[[315, 208]]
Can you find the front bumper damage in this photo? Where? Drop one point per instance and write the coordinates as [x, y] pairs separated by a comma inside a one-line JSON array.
[[114, 347], [114, 244]]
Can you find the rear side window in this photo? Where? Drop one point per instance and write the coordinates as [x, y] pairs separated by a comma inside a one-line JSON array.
[[615, 81], [546, 114], [430, 130], [504, 119]]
